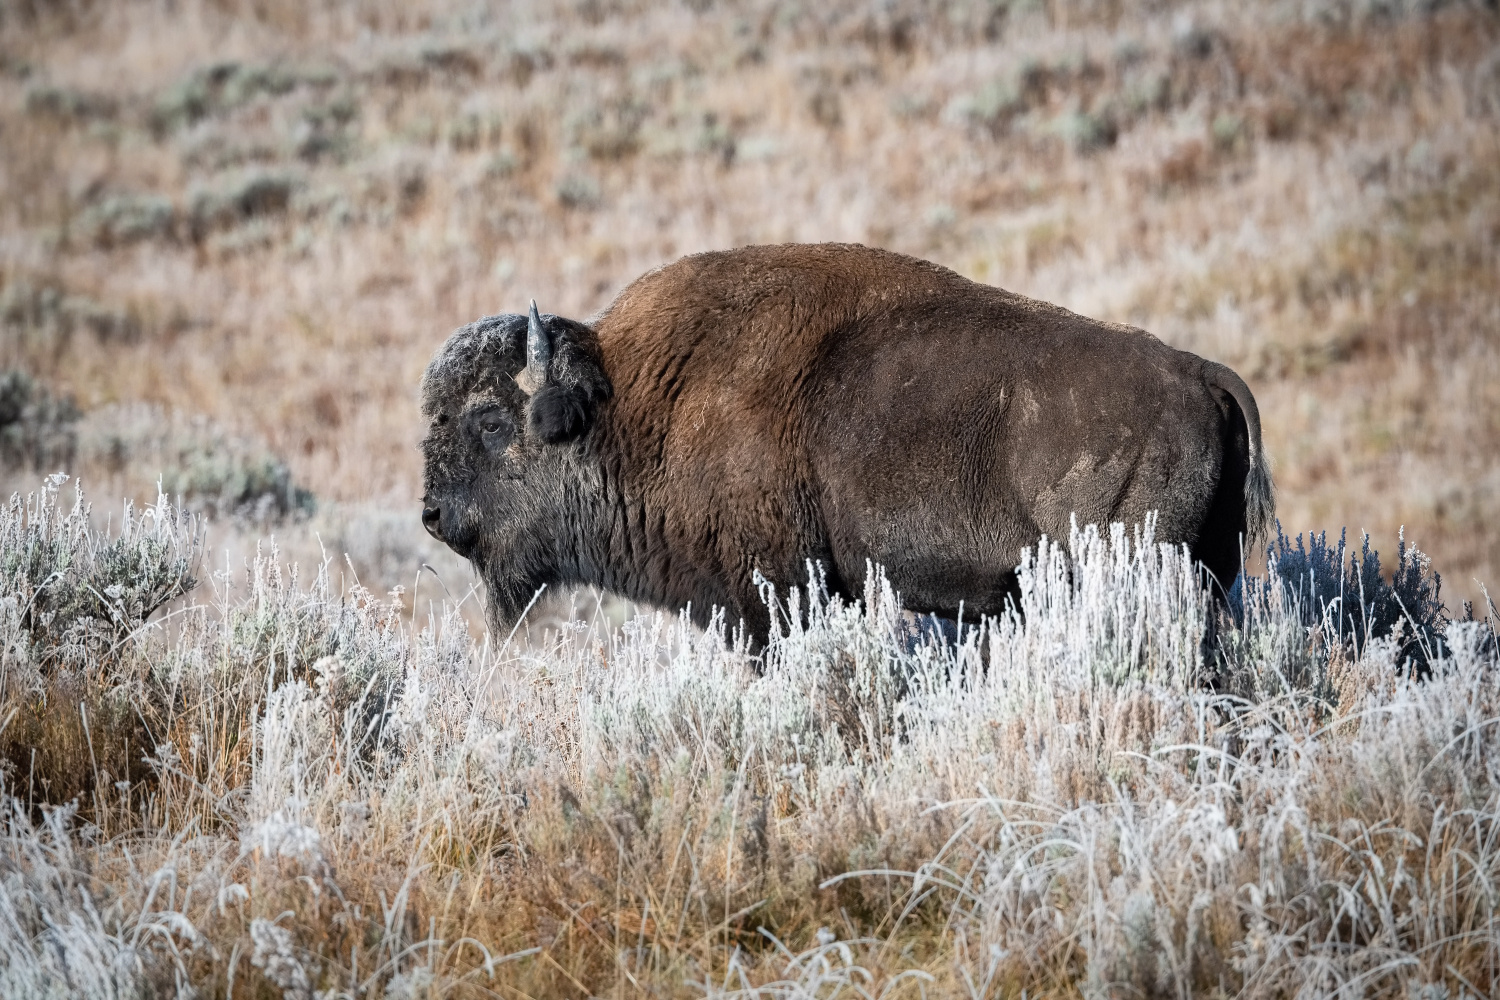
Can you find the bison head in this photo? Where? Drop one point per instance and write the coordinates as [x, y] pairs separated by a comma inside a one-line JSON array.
[[509, 400]]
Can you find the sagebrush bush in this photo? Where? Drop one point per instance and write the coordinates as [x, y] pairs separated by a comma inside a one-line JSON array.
[[70, 106], [1346, 598], [73, 607], [239, 199], [37, 431], [121, 219], [71, 588], [221, 87], [222, 479], [204, 467], [46, 313]]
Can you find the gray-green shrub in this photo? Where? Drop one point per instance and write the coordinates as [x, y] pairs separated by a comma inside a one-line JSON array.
[[37, 429]]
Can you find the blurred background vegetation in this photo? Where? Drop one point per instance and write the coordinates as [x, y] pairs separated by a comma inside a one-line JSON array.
[[235, 230]]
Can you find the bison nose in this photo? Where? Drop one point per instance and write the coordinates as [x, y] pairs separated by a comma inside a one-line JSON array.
[[431, 518]]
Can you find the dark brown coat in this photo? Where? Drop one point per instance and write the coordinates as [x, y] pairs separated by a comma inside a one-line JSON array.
[[757, 408]]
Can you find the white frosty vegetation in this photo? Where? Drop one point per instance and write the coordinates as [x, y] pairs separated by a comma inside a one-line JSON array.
[[1115, 791]]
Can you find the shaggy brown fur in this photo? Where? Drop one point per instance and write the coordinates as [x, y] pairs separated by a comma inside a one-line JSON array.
[[754, 409]]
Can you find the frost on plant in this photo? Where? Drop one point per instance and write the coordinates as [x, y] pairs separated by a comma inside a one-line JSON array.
[[296, 789], [69, 590], [1345, 597]]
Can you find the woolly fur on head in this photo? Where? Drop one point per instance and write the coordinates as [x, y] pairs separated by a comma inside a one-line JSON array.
[[476, 356]]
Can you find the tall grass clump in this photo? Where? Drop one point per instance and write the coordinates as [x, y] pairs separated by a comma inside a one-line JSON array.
[[1096, 792], [74, 605]]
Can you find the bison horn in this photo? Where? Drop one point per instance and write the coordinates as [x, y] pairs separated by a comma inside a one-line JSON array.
[[538, 350]]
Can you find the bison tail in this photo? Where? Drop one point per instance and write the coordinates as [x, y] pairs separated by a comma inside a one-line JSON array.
[[1260, 492], [1260, 499]]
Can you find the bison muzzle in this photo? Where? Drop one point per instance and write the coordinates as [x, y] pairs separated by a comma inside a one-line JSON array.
[[758, 408]]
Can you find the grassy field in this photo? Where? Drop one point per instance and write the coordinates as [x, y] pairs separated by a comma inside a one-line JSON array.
[[234, 232]]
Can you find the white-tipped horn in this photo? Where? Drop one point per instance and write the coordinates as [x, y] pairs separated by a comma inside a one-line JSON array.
[[538, 350]]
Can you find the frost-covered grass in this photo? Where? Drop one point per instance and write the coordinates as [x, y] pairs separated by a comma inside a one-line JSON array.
[[279, 787]]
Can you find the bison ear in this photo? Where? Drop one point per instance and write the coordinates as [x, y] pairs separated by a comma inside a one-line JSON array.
[[564, 377], [559, 414]]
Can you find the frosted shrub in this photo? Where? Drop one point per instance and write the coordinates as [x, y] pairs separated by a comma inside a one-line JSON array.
[[201, 465], [1338, 877], [276, 955], [69, 591], [1113, 610], [1346, 596]]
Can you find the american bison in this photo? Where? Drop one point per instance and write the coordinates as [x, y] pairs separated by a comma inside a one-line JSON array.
[[754, 409]]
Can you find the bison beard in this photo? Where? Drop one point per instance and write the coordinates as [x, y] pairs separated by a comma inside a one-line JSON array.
[[755, 409]]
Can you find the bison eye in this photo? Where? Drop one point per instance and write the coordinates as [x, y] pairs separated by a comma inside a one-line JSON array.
[[493, 427], [442, 419]]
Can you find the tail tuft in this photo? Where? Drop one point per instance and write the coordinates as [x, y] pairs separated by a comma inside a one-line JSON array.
[[1260, 500]]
